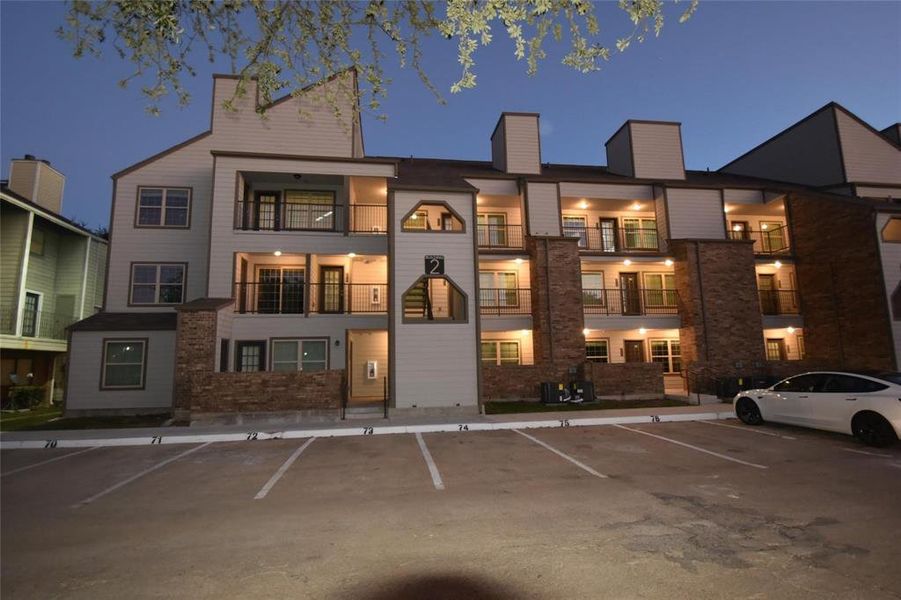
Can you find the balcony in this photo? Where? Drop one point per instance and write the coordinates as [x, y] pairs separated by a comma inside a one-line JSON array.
[[768, 242], [276, 215], [300, 298], [37, 324], [614, 239], [630, 302], [779, 302], [505, 301], [500, 237]]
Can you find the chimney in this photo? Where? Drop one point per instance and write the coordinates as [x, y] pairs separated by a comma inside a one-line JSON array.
[[37, 181], [516, 144], [224, 87], [647, 150]]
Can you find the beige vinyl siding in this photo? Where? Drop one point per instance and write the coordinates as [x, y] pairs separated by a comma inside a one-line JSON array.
[[70, 273], [50, 188], [606, 191], [619, 153], [526, 352], [807, 154], [42, 269], [436, 364], [190, 166], [657, 150], [890, 253], [367, 346], [495, 187], [523, 151], [695, 214], [226, 240], [544, 208], [305, 125], [878, 192], [94, 287], [499, 147], [868, 156], [662, 221], [22, 177], [86, 366], [13, 230], [733, 196]]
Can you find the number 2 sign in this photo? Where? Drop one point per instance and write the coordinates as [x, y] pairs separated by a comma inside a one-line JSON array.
[[434, 264]]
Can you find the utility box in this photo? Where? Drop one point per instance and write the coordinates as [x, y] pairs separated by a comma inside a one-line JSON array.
[[552, 392]]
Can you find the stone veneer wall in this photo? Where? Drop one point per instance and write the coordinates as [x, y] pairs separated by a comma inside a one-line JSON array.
[[722, 329], [557, 312], [843, 302], [522, 382], [200, 389], [626, 379]]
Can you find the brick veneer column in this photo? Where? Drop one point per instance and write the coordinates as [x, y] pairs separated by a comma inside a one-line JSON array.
[[843, 302], [557, 317], [722, 329], [195, 350]]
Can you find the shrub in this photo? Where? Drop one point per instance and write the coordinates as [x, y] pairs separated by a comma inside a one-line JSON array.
[[25, 396]]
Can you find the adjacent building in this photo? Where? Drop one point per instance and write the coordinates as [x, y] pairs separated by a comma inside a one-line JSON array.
[[270, 265], [52, 273]]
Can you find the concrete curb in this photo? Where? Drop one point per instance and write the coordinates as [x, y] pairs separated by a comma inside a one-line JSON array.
[[462, 425]]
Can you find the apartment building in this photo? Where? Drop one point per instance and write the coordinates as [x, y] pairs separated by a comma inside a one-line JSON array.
[[270, 265], [51, 275]]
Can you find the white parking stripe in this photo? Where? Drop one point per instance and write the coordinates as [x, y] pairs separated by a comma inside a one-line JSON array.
[[750, 430], [125, 482], [705, 451], [581, 465], [281, 470], [868, 453], [44, 462], [433, 468]]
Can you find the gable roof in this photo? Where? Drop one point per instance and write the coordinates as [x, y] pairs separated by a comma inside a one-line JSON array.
[[47, 213]]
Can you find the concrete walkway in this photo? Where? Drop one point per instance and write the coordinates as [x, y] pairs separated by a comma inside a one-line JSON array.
[[231, 433]]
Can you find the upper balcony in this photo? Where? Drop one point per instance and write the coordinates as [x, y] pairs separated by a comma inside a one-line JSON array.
[[605, 226], [761, 221], [499, 226], [311, 203], [630, 301]]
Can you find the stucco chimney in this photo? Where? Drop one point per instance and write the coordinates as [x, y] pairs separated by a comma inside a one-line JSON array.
[[37, 181]]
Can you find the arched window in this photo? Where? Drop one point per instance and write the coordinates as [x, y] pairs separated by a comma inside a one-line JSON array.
[[433, 217], [434, 298]]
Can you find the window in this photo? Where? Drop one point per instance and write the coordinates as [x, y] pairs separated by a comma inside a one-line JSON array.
[[775, 349], [597, 350], [492, 229], [802, 350], [593, 294], [433, 217], [892, 230], [124, 364], [309, 209], [660, 289], [668, 353], [574, 226], [31, 314], [299, 355], [162, 283], [250, 356], [434, 299], [812, 382], [498, 288], [846, 384], [500, 353], [37, 242], [164, 207], [279, 290], [772, 236], [640, 234]]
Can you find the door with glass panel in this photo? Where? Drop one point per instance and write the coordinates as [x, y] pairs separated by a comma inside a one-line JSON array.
[[280, 290], [265, 210], [769, 295], [608, 235], [660, 293], [574, 226], [497, 289], [31, 314], [331, 289], [492, 230], [639, 234], [630, 293], [772, 236]]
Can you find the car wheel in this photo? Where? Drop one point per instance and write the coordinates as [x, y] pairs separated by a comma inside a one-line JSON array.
[[748, 411], [873, 430]]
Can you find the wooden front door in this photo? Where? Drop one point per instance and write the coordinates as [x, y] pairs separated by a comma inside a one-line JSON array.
[[630, 293], [331, 289], [634, 350]]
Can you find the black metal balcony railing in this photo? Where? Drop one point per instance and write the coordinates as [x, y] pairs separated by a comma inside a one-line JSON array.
[[37, 324], [768, 241], [779, 302], [505, 301], [294, 298], [614, 239], [500, 236], [295, 216], [630, 301]]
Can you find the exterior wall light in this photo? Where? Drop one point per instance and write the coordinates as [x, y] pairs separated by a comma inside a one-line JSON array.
[[668, 262], [627, 262], [277, 253], [642, 331], [777, 264], [585, 331], [518, 261], [790, 329]]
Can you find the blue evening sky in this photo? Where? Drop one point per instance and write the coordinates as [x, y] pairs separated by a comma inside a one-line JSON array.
[[735, 74]]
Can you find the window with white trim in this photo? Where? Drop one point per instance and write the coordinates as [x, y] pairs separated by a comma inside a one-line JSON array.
[[163, 207], [668, 353], [498, 288], [123, 364], [157, 283], [597, 350], [300, 355], [660, 289], [497, 352], [576, 226]]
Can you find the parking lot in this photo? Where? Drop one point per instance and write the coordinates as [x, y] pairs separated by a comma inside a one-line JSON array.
[[664, 510]]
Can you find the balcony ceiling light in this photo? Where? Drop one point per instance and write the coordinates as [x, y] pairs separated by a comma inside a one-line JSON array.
[[764, 226], [517, 261], [277, 253], [635, 206], [583, 204], [668, 262], [627, 262], [351, 254], [642, 330], [777, 264], [790, 329], [586, 331], [524, 332]]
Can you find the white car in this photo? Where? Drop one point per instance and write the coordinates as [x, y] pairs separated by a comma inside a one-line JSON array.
[[866, 406]]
